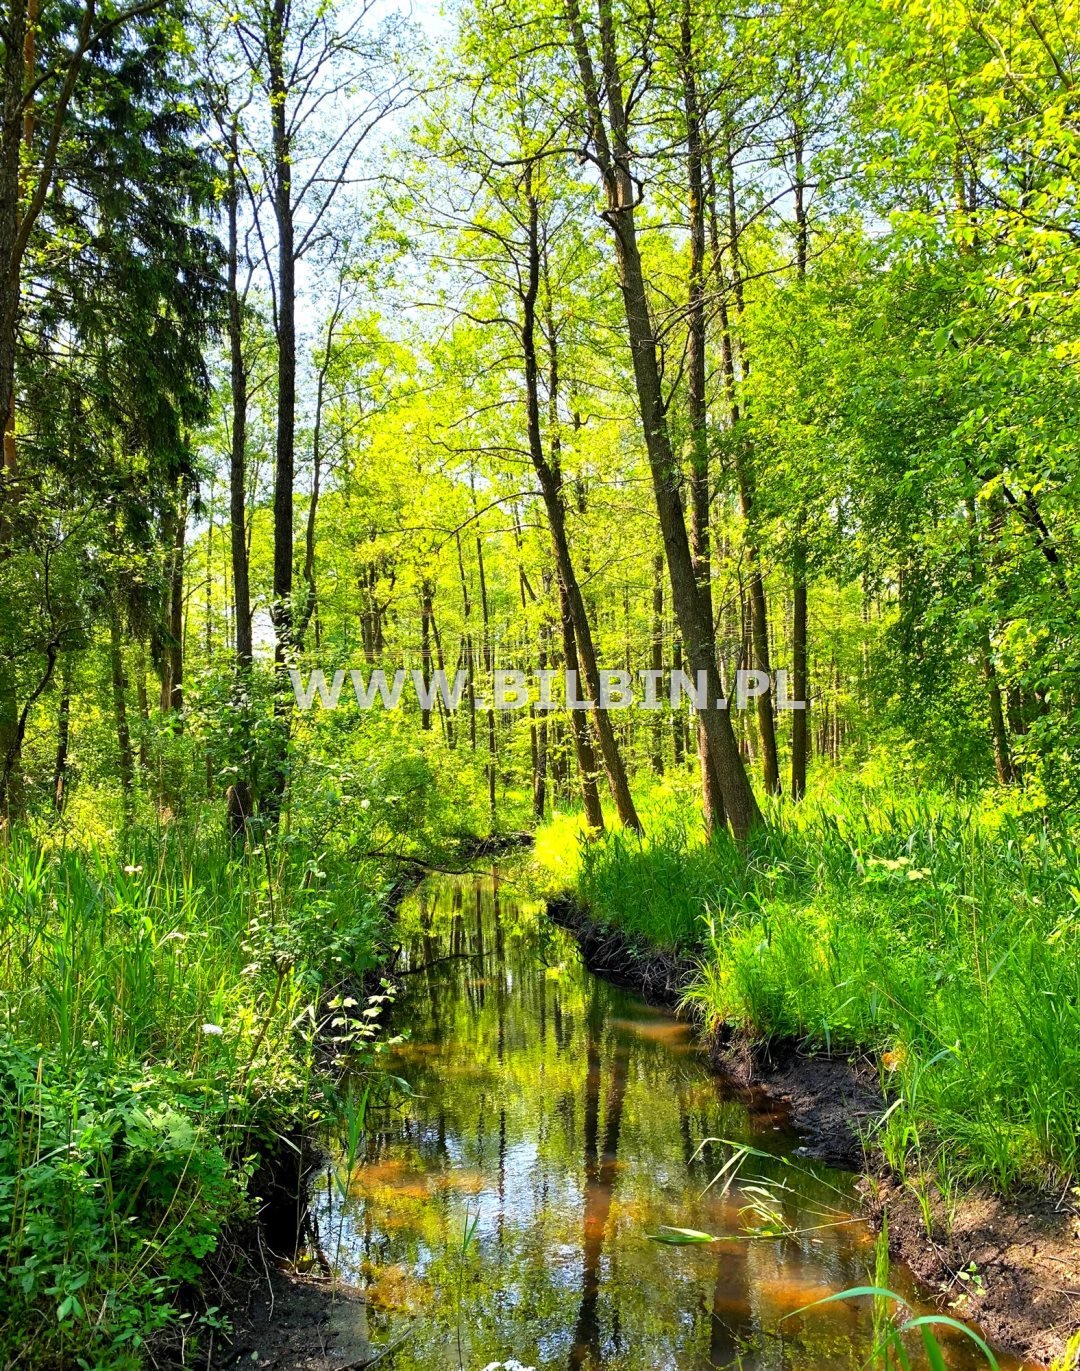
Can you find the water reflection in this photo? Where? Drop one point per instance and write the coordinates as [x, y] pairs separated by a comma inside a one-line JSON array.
[[565, 1120]]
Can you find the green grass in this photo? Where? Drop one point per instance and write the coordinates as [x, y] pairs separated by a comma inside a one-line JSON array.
[[940, 933], [158, 1015]]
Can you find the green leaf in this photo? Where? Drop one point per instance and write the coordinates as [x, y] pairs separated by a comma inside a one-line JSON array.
[[933, 1351], [943, 1320], [680, 1237]]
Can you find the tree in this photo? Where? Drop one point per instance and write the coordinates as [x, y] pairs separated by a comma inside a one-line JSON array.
[[301, 62], [108, 294], [609, 144]]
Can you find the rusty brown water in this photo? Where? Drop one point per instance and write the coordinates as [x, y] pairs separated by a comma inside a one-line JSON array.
[[502, 1213]]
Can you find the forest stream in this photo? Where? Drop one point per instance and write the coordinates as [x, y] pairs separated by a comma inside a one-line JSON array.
[[502, 1213]]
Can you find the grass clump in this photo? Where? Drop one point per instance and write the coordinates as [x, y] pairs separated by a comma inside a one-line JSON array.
[[940, 934], [159, 1015]]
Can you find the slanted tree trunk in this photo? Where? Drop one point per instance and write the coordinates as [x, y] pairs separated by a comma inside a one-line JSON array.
[[10, 744], [550, 479], [579, 725], [9, 774], [614, 158]]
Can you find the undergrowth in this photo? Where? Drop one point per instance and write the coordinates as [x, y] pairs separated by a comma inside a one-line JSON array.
[[938, 932], [160, 1016]]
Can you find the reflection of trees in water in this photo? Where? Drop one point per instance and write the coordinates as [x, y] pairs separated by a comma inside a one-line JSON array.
[[731, 1323], [523, 1068], [601, 1159]]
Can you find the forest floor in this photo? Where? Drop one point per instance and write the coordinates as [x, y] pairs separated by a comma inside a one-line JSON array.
[[284, 1321], [1024, 1292]]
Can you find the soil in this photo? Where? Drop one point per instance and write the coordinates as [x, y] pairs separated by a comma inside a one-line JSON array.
[[657, 977], [1024, 1293], [292, 1322], [1026, 1253]]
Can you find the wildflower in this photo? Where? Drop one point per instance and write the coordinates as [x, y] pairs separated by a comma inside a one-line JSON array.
[[212, 1030]]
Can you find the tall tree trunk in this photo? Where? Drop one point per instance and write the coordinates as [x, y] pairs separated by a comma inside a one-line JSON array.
[[311, 601], [284, 454], [144, 710], [614, 159], [800, 682], [174, 529], [1003, 763], [470, 668], [489, 672], [125, 756], [540, 724], [11, 134], [999, 732], [427, 593], [697, 404], [15, 132], [583, 748], [743, 465], [63, 737], [551, 491], [440, 663], [678, 719], [656, 659], [800, 723], [239, 798]]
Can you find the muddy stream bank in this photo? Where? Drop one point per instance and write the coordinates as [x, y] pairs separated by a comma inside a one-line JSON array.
[[498, 1205]]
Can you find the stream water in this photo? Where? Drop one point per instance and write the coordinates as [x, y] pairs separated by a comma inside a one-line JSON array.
[[502, 1213]]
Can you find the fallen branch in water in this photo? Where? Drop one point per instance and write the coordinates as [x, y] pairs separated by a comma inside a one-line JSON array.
[[419, 863]]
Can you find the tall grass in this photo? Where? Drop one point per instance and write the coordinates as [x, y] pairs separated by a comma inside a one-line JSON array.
[[158, 1012], [939, 933]]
